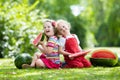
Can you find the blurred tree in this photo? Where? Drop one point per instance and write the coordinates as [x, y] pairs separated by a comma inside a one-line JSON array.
[[62, 10], [19, 23], [108, 33], [114, 25], [1, 35]]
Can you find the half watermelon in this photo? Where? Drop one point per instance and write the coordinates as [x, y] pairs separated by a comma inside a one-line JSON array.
[[103, 57]]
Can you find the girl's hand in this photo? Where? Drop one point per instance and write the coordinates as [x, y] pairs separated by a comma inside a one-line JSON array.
[[41, 43], [70, 57]]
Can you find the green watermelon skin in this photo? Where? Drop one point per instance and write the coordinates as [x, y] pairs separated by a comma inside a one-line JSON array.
[[43, 36], [118, 63], [22, 59], [103, 62]]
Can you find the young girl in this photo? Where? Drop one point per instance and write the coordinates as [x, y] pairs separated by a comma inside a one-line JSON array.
[[71, 46], [50, 56]]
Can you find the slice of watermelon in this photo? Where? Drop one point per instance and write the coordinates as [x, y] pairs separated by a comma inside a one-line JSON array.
[[79, 54], [37, 39]]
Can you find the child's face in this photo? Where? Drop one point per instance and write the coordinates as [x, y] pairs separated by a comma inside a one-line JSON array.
[[48, 29], [63, 28]]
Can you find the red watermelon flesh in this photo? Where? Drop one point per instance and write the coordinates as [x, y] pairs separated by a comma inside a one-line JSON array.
[[103, 54], [37, 39]]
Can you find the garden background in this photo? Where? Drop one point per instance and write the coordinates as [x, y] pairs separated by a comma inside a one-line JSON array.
[[96, 22]]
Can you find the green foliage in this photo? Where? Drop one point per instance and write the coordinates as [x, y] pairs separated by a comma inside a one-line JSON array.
[[101, 35], [61, 10], [1, 35], [114, 25], [19, 23], [108, 33]]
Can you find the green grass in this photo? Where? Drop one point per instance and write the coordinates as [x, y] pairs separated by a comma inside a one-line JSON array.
[[8, 71]]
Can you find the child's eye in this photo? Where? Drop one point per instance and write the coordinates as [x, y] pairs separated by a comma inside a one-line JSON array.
[[48, 26], [63, 26], [44, 27]]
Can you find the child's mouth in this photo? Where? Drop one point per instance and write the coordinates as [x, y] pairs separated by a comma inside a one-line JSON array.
[[47, 31]]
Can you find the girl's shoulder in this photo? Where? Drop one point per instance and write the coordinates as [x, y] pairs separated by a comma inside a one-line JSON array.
[[73, 34], [70, 36], [53, 37]]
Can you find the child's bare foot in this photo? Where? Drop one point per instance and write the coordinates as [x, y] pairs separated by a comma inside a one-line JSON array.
[[24, 66]]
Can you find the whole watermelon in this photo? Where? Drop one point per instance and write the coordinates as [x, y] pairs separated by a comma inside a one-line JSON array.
[[24, 58]]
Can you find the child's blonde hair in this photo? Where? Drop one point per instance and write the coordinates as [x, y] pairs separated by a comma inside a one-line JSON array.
[[63, 21]]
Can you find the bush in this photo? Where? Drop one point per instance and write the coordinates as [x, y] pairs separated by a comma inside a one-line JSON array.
[[19, 23]]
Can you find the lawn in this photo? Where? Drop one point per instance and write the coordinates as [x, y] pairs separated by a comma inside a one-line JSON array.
[[8, 71]]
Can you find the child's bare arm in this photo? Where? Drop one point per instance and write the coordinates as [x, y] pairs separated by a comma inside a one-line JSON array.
[[40, 48], [43, 48], [61, 51]]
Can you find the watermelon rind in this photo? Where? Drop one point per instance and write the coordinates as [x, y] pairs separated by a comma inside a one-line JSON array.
[[103, 62], [43, 36], [118, 63]]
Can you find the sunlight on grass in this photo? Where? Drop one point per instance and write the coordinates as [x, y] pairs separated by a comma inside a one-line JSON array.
[[8, 71]]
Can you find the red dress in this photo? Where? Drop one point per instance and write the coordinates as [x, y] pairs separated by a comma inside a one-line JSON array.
[[72, 46], [48, 62], [51, 60]]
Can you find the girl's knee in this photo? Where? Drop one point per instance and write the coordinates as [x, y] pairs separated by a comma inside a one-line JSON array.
[[87, 64], [80, 65], [37, 54], [39, 63]]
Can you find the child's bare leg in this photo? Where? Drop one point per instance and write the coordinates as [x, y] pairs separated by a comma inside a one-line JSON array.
[[35, 57], [40, 64]]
